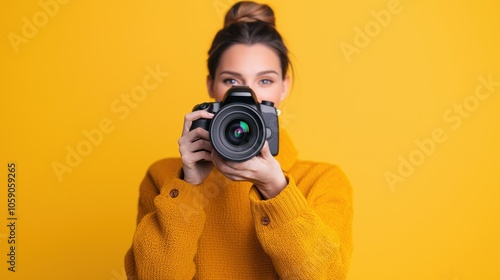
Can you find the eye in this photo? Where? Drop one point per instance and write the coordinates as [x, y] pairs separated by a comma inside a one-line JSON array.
[[266, 82], [230, 82]]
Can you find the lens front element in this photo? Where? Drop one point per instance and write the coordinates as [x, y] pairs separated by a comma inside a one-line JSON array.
[[238, 132]]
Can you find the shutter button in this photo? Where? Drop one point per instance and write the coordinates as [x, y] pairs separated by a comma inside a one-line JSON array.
[[265, 221], [174, 193]]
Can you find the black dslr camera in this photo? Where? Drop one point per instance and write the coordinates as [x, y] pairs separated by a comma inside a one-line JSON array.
[[241, 124]]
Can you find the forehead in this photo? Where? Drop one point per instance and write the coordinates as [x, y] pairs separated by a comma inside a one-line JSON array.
[[249, 59]]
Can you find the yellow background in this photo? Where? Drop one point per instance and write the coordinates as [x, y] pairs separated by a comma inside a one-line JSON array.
[[363, 111]]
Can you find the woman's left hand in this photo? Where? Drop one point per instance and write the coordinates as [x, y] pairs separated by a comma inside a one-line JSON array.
[[263, 170]]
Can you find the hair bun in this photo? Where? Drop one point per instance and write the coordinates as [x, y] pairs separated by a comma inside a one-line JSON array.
[[248, 11]]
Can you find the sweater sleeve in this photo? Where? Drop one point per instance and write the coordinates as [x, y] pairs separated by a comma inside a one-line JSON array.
[[169, 223], [307, 231]]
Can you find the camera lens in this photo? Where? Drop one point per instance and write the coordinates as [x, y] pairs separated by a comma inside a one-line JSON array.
[[238, 132]]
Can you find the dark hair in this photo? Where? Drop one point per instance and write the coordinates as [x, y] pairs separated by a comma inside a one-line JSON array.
[[248, 23]]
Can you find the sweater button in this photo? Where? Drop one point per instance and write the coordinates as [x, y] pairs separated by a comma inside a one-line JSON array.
[[174, 193], [265, 221]]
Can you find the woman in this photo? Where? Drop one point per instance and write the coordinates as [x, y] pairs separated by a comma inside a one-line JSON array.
[[203, 217]]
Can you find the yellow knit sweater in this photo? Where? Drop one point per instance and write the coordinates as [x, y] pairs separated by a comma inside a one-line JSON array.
[[222, 229]]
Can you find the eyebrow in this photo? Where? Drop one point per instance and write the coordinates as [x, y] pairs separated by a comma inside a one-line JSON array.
[[258, 74]]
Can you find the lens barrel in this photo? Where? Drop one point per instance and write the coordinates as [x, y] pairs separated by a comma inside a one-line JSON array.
[[237, 132]]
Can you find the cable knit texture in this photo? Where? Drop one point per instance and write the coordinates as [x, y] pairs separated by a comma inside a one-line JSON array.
[[222, 229]]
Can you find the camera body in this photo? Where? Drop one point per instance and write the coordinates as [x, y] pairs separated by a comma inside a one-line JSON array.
[[241, 124]]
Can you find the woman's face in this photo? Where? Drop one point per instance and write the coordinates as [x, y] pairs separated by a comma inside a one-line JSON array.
[[256, 66]]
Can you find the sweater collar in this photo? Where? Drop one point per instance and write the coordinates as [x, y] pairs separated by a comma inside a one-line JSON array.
[[287, 154]]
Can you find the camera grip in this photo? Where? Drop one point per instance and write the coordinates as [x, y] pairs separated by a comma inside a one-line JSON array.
[[203, 123]]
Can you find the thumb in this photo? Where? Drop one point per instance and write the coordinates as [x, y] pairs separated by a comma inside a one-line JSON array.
[[266, 152]]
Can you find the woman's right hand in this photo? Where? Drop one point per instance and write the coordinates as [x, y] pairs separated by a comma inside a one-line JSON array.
[[195, 149]]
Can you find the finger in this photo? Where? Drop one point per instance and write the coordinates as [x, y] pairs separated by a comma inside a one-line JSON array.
[[214, 157], [191, 159], [196, 147], [240, 166], [234, 177], [220, 163], [194, 135], [225, 169], [190, 117], [200, 145], [266, 151], [228, 171], [198, 133]]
